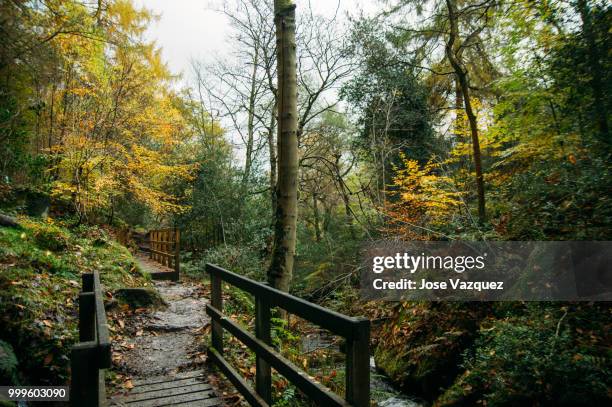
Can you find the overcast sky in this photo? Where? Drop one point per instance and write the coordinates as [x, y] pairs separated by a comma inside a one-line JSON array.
[[191, 29]]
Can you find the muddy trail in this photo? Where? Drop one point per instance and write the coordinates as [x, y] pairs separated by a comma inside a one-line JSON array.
[[164, 340], [164, 343]]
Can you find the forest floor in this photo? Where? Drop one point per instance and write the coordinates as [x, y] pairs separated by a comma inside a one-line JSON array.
[[163, 342]]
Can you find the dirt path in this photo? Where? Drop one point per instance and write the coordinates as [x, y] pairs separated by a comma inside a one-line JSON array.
[[166, 339], [163, 342]]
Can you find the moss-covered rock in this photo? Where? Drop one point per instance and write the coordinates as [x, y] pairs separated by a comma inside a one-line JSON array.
[[420, 347], [51, 237], [139, 297]]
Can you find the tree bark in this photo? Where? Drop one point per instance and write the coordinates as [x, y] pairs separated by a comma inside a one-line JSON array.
[[251, 122], [316, 217], [283, 251], [461, 73], [272, 153], [596, 71]]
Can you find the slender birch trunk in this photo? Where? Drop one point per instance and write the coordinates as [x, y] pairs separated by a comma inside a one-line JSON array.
[[283, 251]]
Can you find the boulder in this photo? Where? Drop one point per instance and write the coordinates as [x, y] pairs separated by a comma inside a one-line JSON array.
[[139, 297], [420, 347], [9, 221]]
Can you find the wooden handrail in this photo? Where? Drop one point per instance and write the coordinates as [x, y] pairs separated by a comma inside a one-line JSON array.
[[92, 354], [356, 331]]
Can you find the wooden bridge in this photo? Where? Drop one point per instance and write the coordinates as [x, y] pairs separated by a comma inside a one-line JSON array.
[[92, 354]]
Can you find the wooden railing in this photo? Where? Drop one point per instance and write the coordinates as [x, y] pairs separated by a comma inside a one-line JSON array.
[[356, 331], [93, 352], [165, 248]]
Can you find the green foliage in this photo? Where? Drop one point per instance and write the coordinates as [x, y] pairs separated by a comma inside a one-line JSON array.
[[8, 364], [390, 101], [240, 259], [542, 357]]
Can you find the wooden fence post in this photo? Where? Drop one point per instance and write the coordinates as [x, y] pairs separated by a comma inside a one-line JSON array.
[[177, 252], [263, 373], [358, 365], [156, 254], [84, 386], [87, 319], [216, 300], [162, 247], [166, 248], [87, 281]]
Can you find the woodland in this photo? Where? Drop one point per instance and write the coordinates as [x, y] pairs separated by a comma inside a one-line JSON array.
[[427, 120]]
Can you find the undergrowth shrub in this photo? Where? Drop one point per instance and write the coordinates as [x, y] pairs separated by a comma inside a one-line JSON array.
[[541, 358]]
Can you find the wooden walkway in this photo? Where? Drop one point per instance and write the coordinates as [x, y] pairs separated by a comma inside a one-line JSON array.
[[187, 389]]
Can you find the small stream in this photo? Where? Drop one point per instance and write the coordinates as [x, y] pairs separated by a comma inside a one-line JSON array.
[[382, 390], [385, 393]]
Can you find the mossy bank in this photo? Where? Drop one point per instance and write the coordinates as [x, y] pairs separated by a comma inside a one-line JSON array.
[[40, 267]]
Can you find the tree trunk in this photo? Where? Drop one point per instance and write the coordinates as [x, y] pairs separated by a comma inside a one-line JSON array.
[[461, 73], [251, 122], [283, 251], [272, 154], [316, 217], [596, 71]]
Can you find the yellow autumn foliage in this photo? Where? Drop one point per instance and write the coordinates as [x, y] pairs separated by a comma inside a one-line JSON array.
[[420, 195]]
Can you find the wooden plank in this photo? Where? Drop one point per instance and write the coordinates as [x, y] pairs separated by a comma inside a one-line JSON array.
[[333, 321], [169, 392], [220, 403], [178, 376], [241, 385], [172, 384], [204, 398], [315, 391]]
